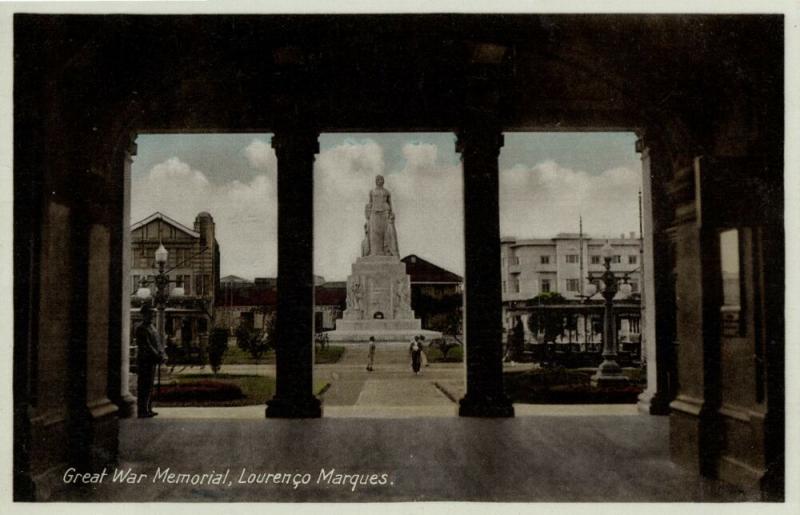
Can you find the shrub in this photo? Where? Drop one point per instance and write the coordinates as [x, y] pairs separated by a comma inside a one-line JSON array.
[[434, 354], [253, 341], [455, 354], [218, 344]]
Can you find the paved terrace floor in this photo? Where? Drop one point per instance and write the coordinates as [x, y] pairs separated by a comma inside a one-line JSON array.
[[395, 423]]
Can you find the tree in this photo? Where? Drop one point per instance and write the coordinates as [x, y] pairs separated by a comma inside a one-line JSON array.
[[549, 322], [218, 345], [255, 342], [450, 327]]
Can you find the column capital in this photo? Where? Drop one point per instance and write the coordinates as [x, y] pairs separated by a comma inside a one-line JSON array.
[[296, 139], [486, 141]]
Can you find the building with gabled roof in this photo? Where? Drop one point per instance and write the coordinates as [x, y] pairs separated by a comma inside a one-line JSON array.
[[436, 293], [193, 262]]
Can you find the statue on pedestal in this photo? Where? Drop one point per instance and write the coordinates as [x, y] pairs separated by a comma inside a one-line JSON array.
[[382, 237]]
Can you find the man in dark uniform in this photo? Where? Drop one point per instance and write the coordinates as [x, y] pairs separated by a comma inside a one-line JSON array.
[[150, 353]]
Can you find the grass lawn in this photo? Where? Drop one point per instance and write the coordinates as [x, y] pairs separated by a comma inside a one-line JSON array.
[[454, 355], [330, 354], [236, 356], [568, 386], [207, 390]]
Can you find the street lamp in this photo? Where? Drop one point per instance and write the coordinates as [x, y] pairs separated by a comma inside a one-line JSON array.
[[162, 282], [609, 372]]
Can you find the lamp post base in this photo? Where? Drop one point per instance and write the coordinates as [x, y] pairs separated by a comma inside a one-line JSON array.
[[609, 373]]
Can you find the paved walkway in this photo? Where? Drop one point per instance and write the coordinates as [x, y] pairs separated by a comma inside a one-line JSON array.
[[389, 435], [522, 459]]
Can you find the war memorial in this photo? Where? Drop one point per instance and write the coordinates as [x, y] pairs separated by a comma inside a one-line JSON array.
[[379, 289]]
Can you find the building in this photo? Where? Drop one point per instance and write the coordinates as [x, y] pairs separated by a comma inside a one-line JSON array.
[[251, 303], [561, 265], [193, 262], [436, 294]]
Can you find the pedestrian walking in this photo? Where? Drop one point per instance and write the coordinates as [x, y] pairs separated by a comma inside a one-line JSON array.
[[416, 355], [371, 356]]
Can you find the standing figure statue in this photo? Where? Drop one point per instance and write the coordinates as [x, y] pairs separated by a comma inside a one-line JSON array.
[[380, 220], [365, 241]]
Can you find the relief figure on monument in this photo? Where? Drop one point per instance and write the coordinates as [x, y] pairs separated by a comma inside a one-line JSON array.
[[355, 296], [382, 237]]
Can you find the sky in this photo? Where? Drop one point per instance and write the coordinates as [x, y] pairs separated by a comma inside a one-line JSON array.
[[547, 180]]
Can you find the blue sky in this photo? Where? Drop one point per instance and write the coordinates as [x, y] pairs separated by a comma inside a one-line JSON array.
[[546, 181]]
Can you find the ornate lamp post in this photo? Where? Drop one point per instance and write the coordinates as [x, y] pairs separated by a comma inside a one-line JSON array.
[[609, 372], [162, 281]]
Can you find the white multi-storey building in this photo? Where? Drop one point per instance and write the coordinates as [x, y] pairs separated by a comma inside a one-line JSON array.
[[562, 264]]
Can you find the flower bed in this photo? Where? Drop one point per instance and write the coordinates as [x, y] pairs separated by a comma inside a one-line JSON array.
[[564, 386], [203, 390]]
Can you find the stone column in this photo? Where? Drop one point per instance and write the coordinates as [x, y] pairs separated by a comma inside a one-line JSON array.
[[294, 398], [694, 428], [483, 316], [658, 292], [120, 322]]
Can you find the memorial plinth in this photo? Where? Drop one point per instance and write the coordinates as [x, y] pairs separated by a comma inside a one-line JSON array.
[[379, 303]]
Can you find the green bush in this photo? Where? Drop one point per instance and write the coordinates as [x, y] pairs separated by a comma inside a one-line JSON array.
[[456, 354], [434, 354], [217, 345], [255, 342]]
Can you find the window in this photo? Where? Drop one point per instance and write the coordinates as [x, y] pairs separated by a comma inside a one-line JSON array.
[[634, 286], [572, 258], [505, 287], [632, 260], [135, 284], [545, 260], [514, 286], [573, 284], [187, 284], [616, 259], [545, 286], [596, 260]]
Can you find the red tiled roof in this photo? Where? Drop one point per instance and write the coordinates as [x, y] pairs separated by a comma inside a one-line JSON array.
[[422, 271], [255, 296]]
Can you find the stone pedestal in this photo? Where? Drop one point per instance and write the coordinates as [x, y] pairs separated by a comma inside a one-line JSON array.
[[378, 303]]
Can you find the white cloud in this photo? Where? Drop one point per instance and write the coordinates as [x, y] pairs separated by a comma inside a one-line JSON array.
[[546, 199], [244, 213], [260, 155]]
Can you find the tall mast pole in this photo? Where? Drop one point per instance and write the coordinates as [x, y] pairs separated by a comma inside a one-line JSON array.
[[580, 251]]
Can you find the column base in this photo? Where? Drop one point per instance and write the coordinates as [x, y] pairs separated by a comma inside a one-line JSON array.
[[653, 403], [126, 405], [308, 407], [485, 407]]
